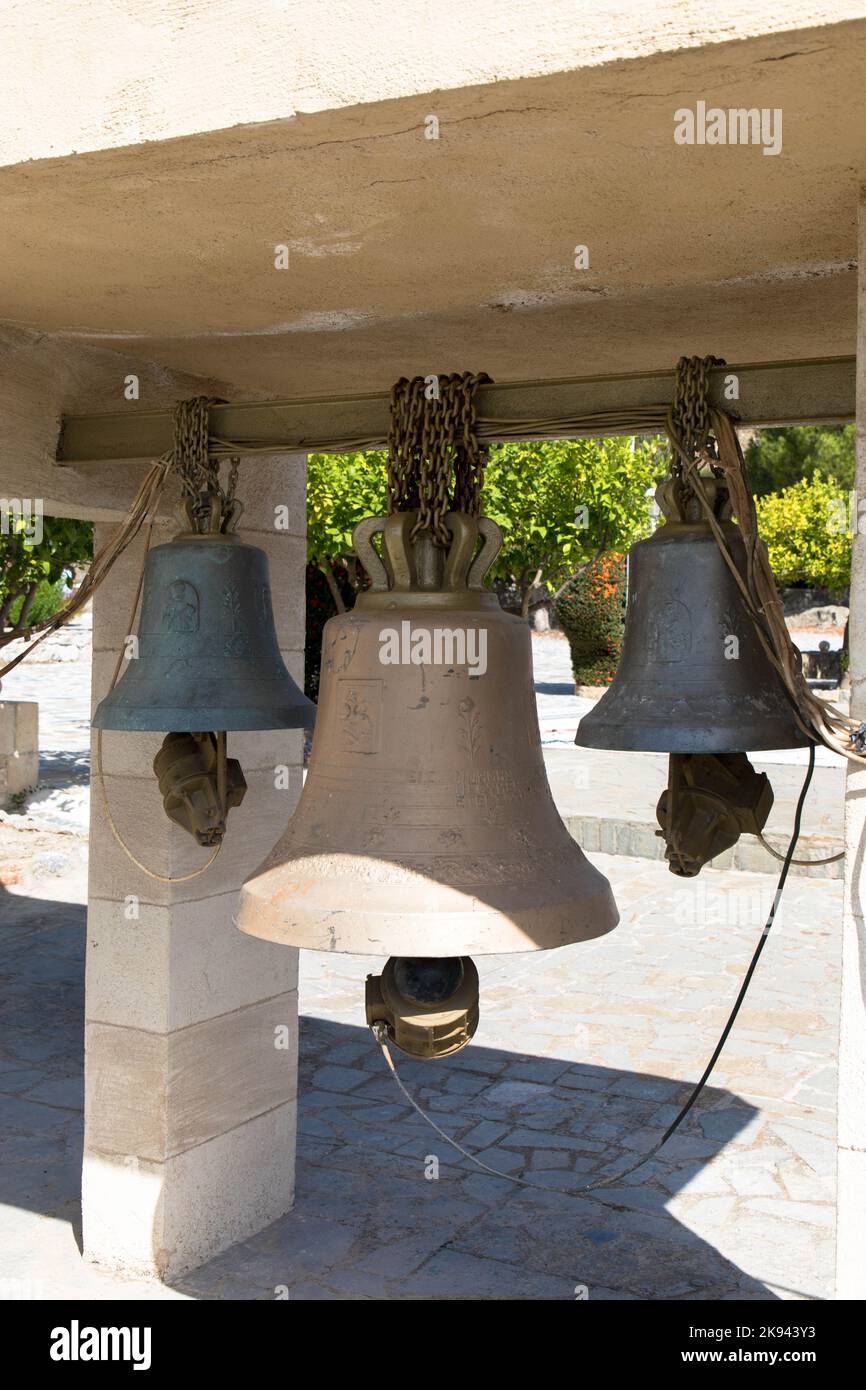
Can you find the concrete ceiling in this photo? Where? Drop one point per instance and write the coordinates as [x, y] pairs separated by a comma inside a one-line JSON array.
[[411, 255]]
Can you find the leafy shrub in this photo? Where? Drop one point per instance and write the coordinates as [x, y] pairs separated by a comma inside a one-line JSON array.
[[48, 599], [807, 531], [320, 607], [591, 612], [778, 457]]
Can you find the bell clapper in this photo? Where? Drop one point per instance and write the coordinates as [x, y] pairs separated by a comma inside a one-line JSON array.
[[199, 784], [425, 1005], [710, 801]]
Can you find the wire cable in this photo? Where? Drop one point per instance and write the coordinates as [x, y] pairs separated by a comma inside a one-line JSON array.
[[380, 1034]]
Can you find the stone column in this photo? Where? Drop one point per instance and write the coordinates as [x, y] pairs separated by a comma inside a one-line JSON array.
[[191, 1026], [851, 1201]]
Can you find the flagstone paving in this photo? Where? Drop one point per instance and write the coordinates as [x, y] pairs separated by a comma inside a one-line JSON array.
[[581, 1059]]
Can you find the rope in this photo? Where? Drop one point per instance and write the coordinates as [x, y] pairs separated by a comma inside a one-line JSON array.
[[380, 1034], [145, 503], [199, 476], [648, 419], [435, 462], [831, 859]]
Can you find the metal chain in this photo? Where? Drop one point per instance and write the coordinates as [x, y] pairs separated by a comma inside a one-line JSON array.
[[192, 460], [435, 461], [690, 411]]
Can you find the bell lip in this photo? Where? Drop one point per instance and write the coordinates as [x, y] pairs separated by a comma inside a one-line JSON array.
[[711, 739], [352, 931], [156, 720]]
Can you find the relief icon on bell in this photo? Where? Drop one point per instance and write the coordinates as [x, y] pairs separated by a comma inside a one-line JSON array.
[[426, 828]]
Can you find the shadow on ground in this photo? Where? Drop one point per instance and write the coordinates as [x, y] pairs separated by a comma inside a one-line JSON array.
[[368, 1221]]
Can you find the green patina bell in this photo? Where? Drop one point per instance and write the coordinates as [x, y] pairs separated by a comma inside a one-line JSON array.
[[208, 656]]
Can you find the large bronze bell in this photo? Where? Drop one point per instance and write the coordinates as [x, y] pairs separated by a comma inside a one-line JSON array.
[[693, 676], [426, 827], [207, 648]]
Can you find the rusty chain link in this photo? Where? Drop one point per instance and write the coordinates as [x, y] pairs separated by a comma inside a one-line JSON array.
[[435, 462], [689, 417], [193, 462]]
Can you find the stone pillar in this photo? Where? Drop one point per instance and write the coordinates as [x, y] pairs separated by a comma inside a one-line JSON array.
[[191, 1026], [851, 1200], [19, 747]]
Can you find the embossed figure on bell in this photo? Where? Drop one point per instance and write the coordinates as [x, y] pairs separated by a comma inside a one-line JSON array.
[[426, 827], [693, 676]]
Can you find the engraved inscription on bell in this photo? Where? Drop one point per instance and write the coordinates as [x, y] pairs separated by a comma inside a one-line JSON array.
[[360, 715]]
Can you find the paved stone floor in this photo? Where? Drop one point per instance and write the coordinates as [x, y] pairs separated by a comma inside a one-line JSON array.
[[579, 1063]]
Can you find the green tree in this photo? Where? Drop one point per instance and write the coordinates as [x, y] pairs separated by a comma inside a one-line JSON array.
[[559, 503], [341, 490], [807, 533], [776, 459], [30, 570], [563, 503]]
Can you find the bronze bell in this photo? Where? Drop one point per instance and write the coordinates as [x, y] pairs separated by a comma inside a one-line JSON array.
[[207, 649], [694, 681], [426, 828], [693, 676], [207, 662]]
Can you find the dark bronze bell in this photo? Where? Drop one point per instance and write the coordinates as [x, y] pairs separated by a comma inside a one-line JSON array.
[[208, 657], [693, 676], [426, 830], [694, 681]]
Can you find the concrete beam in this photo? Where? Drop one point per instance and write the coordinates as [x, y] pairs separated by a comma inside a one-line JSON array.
[[769, 393]]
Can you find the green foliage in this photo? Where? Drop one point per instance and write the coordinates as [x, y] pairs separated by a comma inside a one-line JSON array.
[[776, 459], [46, 601], [591, 613], [28, 571], [341, 490], [807, 534], [559, 503], [320, 607]]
